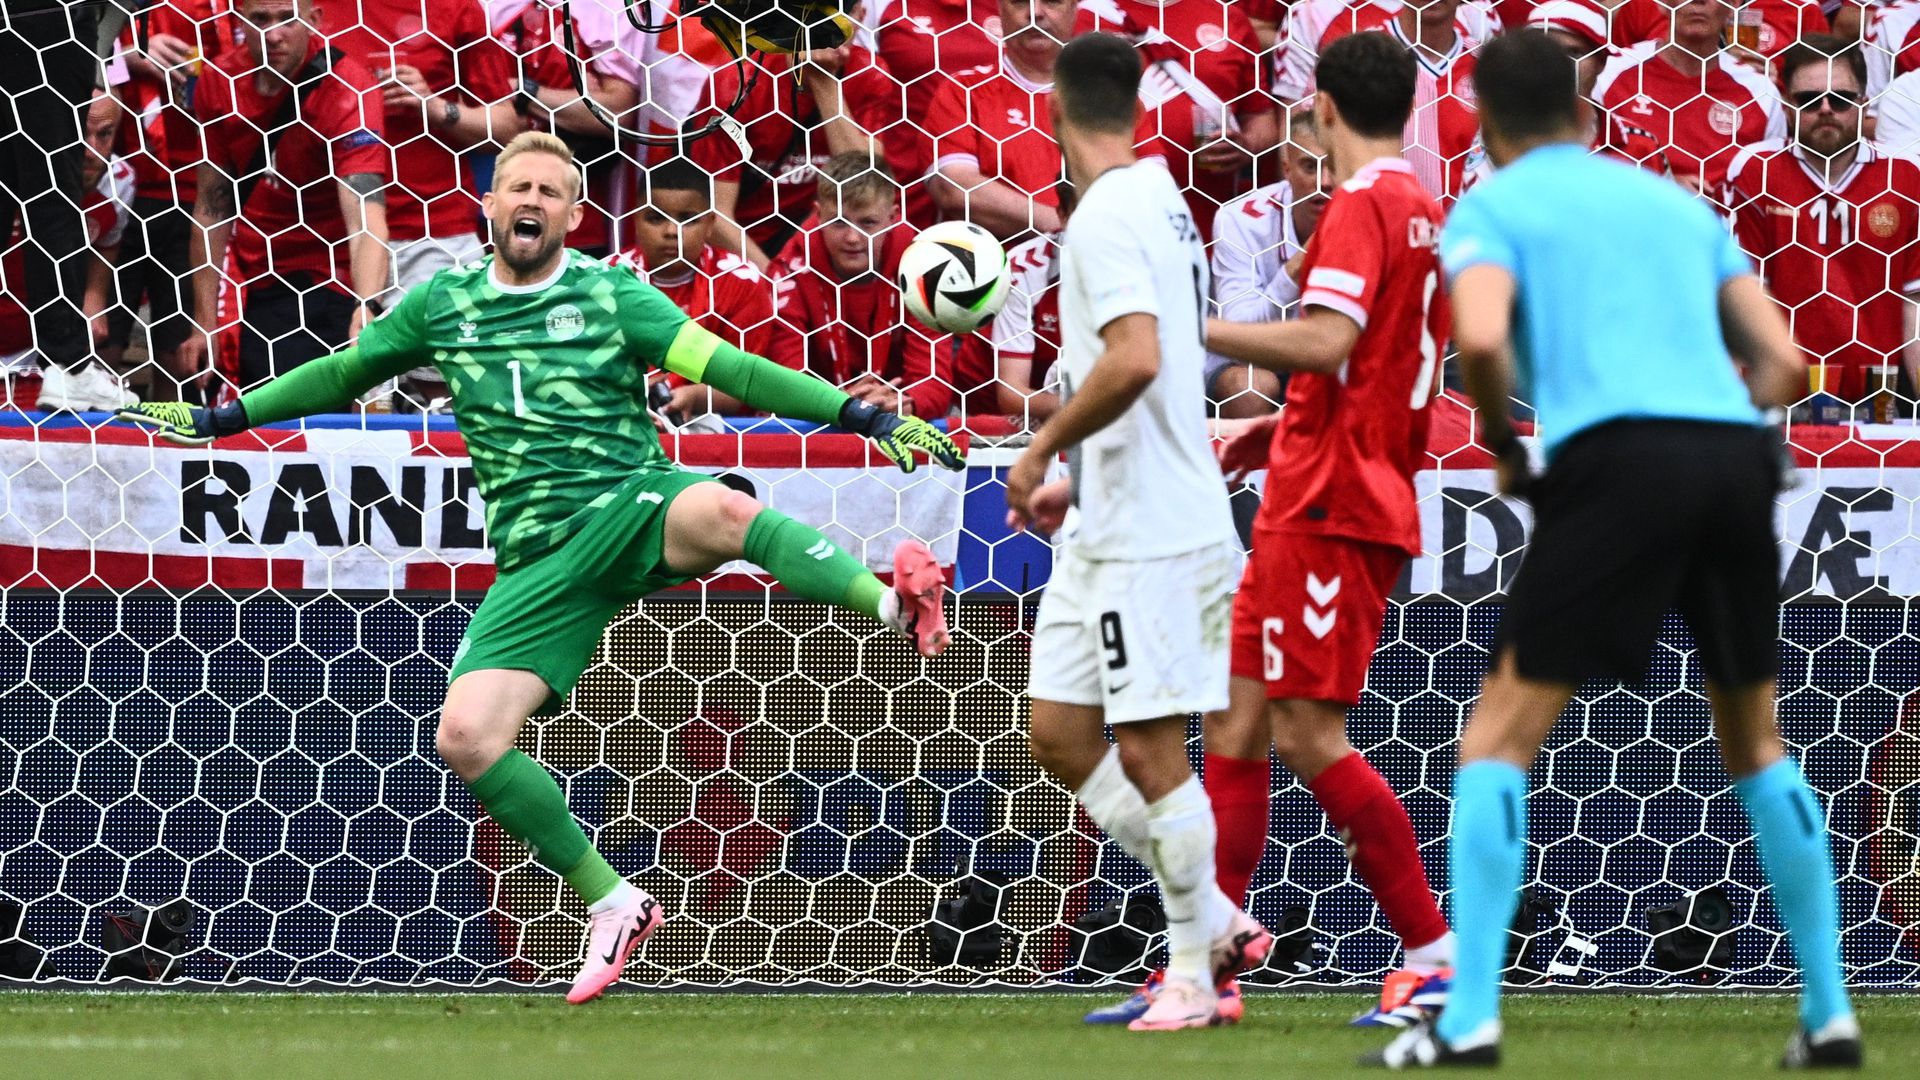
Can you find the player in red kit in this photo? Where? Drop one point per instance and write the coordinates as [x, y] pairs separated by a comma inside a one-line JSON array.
[[1339, 520], [721, 291], [1833, 221]]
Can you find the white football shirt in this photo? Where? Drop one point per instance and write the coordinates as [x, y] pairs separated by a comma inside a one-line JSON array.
[[1146, 486]]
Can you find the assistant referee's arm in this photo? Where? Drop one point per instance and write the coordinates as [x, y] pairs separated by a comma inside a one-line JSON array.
[[1757, 335]]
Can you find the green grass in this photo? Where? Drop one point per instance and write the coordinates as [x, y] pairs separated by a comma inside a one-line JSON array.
[[862, 1036]]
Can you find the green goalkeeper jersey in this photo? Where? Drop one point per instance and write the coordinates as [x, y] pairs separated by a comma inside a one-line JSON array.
[[549, 385]]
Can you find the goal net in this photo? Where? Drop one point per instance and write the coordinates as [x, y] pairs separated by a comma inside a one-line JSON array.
[[220, 671]]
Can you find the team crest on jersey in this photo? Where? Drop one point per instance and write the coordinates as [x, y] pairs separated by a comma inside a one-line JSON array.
[[469, 333], [564, 323], [1884, 220], [1723, 118], [992, 27], [1212, 38]]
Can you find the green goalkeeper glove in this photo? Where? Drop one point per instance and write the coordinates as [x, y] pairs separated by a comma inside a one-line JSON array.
[[899, 436], [188, 425]]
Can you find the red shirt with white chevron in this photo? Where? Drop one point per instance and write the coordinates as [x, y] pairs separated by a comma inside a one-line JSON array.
[[1445, 119], [1029, 324], [1350, 441], [1840, 258], [1686, 126]]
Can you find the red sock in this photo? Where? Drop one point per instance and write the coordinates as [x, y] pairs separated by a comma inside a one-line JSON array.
[[1379, 837], [1239, 790]]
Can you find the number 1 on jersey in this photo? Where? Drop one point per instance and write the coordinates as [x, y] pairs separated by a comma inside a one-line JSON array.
[[519, 403], [1429, 349]]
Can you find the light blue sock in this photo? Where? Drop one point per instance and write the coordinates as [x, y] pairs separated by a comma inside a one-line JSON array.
[[1486, 853], [1792, 832]]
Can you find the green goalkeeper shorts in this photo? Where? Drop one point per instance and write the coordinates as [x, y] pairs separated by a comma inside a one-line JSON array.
[[547, 617]]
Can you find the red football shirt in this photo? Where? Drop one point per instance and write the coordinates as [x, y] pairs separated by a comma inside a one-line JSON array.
[[450, 42], [778, 183], [852, 328], [926, 44], [1782, 22], [997, 119], [1216, 43], [728, 296], [1686, 126], [1839, 258], [291, 223], [164, 146], [1349, 443], [1445, 120]]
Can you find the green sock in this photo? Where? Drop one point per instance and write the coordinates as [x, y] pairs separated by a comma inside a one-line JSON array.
[[809, 565], [522, 796]]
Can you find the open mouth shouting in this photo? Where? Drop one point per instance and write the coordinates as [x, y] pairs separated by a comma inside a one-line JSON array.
[[526, 241]]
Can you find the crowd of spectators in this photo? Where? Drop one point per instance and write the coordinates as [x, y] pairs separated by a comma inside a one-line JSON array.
[[255, 180]]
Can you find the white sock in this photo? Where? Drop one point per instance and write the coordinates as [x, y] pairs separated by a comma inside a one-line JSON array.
[[1182, 832], [1432, 956], [1115, 805], [621, 894], [890, 611]]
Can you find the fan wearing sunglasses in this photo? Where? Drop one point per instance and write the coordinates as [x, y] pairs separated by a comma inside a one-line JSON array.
[[1833, 219]]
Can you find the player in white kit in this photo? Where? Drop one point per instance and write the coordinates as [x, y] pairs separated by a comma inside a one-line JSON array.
[[1134, 628]]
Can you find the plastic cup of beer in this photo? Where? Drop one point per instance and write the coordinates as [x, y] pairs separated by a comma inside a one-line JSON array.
[[1883, 393], [1823, 378]]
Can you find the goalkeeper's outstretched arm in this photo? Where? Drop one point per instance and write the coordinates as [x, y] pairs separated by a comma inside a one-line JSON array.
[[329, 384], [698, 355]]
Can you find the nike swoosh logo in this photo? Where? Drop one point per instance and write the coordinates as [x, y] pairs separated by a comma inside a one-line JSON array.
[[620, 943]]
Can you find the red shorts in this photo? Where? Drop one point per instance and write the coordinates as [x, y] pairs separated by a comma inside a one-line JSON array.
[[1308, 614]]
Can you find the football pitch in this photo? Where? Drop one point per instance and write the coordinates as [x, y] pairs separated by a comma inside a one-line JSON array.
[[864, 1036]]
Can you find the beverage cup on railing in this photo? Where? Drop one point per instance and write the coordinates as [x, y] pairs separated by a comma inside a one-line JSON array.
[[1883, 394], [1822, 378]]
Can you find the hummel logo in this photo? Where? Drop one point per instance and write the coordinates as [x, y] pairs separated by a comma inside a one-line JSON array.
[[1322, 592], [821, 550]]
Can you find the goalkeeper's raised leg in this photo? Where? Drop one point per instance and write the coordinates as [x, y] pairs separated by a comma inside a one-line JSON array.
[[547, 354]]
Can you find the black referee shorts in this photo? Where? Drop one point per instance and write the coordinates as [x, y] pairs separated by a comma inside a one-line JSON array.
[[1637, 518]]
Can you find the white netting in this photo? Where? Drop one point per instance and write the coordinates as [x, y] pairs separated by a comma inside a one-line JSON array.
[[220, 670]]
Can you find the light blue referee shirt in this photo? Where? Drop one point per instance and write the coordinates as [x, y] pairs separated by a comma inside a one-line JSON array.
[[1619, 274]]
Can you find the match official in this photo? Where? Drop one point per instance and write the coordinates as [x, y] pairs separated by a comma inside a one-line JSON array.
[[1622, 304]]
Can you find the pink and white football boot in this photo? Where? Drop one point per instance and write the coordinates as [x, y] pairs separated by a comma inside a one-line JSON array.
[[625, 919]]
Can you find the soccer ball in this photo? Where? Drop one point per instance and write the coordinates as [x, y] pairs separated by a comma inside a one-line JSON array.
[[954, 276]]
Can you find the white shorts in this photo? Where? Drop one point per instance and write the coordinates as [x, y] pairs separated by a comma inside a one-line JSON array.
[[1140, 639]]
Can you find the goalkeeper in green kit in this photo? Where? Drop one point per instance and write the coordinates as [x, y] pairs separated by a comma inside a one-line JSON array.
[[547, 353]]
